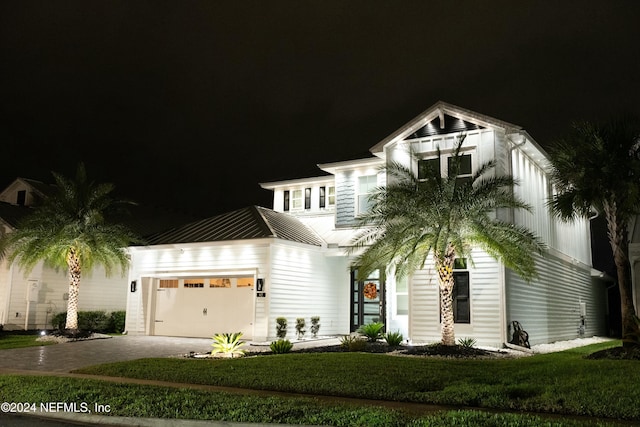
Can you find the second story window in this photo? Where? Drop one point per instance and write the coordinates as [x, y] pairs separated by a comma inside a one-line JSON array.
[[327, 197], [366, 186], [296, 199], [287, 201], [307, 198], [463, 167], [323, 197], [331, 197]]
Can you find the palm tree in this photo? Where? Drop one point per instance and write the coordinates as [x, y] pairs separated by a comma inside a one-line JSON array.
[[596, 167], [70, 231], [444, 216]]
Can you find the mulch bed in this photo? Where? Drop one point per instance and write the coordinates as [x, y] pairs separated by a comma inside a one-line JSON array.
[[438, 350], [617, 353]]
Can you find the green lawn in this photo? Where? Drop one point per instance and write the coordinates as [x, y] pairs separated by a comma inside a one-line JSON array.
[[8, 340], [560, 383]]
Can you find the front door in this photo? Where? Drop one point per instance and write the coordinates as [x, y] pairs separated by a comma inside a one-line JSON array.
[[367, 300]]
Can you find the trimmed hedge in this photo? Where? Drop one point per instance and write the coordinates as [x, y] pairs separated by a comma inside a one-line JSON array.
[[94, 321]]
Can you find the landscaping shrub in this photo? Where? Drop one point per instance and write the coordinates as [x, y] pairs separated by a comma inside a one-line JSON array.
[[373, 331], [315, 325], [467, 342], [281, 346], [353, 343], [281, 327], [93, 321], [300, 327], [117, 321], [228, 344], [393, 339]]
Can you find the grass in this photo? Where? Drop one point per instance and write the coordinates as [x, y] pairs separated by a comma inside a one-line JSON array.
[[8, 341], [516, 392], [563, 383], [182, 403]]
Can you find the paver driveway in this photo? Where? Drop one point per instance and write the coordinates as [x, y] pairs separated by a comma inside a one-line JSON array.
[[68, 356]]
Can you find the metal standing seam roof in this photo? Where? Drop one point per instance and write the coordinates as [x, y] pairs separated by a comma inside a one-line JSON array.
[[253, 222]]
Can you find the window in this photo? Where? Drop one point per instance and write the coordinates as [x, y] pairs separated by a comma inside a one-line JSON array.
[[21, 198], [194, 283], [402, 296], [331, 199], [245, 282], [222, 282], [428, 168], [165, 284], [461, 300], [307, 198], [366, 186], [296, 199], [464, 168], [286, 201]]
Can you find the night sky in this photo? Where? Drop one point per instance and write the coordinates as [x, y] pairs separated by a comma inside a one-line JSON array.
[[190, 104]]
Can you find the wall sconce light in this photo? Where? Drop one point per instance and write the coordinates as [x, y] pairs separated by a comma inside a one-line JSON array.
[[134, 286]]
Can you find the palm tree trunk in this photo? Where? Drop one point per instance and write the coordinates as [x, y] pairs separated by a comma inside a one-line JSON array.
[[618, 238], [444, 265], [73, 262]]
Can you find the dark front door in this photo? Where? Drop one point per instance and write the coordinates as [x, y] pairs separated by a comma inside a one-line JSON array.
[[367, 300]]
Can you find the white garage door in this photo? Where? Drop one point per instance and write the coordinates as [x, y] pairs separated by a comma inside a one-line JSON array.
[[204, 307]]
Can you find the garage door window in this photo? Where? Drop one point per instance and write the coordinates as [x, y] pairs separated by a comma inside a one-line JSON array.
[[221, 282], [245, 282], [173, 283], [193, 283]]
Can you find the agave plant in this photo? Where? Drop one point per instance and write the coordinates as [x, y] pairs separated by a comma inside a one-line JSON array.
[[228, 344]]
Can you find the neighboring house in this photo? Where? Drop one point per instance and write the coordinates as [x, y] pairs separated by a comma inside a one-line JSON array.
[[30, 300], [634, 258], [242, 270]]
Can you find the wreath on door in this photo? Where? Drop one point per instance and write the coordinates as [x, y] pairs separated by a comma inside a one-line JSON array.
[[370, 291]]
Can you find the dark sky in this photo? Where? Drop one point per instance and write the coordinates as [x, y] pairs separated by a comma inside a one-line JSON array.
[[190, 104]]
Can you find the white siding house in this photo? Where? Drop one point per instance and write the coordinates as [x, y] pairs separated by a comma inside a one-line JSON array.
[[240, 271], [567, 300], [30, 300]]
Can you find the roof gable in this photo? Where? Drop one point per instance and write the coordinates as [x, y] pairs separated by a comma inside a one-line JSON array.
[[252, 222], [443, 118]]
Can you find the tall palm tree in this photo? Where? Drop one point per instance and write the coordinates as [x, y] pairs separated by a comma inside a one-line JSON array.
[[443, 215], [596, 167], [70, 231]]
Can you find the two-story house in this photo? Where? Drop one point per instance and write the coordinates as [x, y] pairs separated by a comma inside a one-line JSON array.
[[242, 270]]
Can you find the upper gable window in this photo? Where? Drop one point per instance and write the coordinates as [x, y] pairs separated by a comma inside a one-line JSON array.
[[21, 197], [464, 167], [428, 168], [366, 185]]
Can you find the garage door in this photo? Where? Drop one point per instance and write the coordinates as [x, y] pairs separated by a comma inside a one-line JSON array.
[[203, 307]]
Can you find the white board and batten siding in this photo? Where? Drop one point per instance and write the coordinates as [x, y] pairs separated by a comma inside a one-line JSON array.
[[486, 296], [306, 283]]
